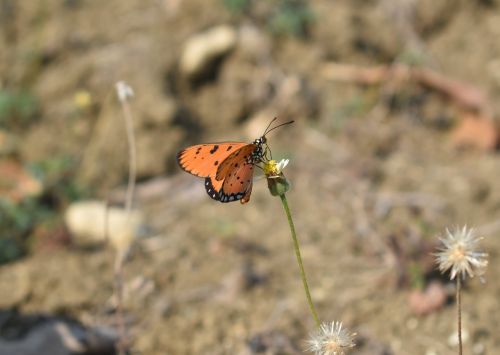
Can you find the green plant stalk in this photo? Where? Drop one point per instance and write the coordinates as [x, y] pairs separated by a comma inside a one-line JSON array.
[[299, 259]]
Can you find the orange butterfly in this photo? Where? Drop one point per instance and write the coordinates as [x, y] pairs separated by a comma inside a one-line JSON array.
[[228, 166]]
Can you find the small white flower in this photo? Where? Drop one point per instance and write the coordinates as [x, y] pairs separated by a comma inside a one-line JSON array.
[[124, 91], [459, 254], [331, 339], [282, 165]]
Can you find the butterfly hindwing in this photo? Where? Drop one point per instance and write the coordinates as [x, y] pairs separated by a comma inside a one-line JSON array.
[[235, 160], [237, 185], [203, 160]]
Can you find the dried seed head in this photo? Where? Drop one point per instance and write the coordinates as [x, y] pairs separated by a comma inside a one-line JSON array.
[[124, 91], [331, 339], [459, 253]]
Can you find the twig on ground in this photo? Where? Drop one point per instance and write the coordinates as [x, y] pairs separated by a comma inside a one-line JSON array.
[[464, 95]]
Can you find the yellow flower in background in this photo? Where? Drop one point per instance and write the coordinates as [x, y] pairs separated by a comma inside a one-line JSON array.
[[82, 99]]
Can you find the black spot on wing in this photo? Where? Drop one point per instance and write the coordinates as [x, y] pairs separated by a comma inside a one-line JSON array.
[[214, 149]]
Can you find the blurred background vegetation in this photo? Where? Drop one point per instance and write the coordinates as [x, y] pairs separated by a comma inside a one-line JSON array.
[[396, 137]]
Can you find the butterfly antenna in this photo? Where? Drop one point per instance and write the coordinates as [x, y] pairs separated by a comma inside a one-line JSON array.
[[269, 125], [278, 126]]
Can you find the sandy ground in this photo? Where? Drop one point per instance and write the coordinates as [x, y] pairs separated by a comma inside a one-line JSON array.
[[376, 174]]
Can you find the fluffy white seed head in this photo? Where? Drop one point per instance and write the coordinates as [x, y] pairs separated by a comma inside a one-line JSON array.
[[460, 255], [282, 164], [331, 339]]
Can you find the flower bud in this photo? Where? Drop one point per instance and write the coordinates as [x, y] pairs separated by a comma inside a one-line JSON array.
[[278, 184]]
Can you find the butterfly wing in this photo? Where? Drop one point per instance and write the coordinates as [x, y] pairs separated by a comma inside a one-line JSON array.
[[228, 175], [234, 177], [213, 187], [203, 159], [237, 185], [235, 161]]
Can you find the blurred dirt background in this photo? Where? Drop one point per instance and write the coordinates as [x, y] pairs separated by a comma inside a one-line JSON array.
[[396, 106]]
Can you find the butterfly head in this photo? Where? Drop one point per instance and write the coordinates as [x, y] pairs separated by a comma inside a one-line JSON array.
[[260, 141], [259, 152]]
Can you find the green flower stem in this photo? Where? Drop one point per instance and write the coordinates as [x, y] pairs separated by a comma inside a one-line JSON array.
[[299, 259]]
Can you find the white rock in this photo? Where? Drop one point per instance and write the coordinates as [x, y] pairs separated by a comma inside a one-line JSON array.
[[88, 221], [254, 42], [201, 49], [479, 349]]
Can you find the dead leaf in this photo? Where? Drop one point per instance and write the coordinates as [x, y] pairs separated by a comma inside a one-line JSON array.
[[476, 131], [16, 183], [429, 300]]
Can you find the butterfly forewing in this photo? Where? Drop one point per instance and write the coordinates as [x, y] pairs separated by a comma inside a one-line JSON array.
[[203, 160]]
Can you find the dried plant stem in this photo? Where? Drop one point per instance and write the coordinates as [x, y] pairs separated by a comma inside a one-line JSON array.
[[459, 315], [460, 255], [123, 344], [299, 260], [132, 155]]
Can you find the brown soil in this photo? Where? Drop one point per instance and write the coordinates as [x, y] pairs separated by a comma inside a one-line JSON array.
[[375, 174]]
